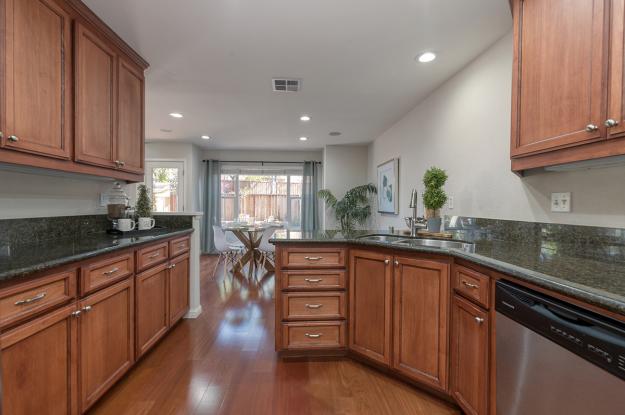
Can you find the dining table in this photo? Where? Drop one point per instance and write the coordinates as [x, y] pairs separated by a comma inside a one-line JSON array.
[[250, 236]]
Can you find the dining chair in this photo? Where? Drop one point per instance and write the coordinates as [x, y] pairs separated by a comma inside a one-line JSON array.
[[229, 252], [267, 250]]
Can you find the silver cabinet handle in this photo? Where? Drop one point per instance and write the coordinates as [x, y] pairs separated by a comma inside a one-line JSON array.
[[122, 163], [313, 280], [76, 313], [610, 123], [313, 258], [117, 163], [396, 263], [591, 128], [87, 308], [479, 320], [111, 272], [182, 245], [468, 284], [156, 255], [34, 299], [387, 261], [172, 266], [314, 306], [14, 138], [313, 336]]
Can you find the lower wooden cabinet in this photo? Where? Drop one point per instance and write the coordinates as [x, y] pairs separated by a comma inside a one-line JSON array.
[[106, 334], [178, 288], [370, 296], [420, 326], [152, 307], [470, 356], [39, 366]]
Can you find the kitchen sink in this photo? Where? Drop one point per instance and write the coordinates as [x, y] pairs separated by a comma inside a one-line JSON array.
[[433, 243], [382, 238]]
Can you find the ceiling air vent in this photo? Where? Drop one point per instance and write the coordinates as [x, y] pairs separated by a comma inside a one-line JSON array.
[[286, 84]]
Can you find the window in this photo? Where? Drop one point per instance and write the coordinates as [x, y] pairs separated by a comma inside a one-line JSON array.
[[259, 197], [165, 180]]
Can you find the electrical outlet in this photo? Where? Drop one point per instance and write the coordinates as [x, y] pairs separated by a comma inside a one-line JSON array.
[[561, 202], [450, 202], [103, 199]]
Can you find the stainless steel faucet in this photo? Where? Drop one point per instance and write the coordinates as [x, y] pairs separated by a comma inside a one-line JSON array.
[[415, 222]]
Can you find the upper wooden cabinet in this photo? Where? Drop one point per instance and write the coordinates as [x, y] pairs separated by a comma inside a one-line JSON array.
[[72, 100], [37, 78], [567, 90]]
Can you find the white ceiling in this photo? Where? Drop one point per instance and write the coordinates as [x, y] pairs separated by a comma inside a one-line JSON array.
[[213, 60]]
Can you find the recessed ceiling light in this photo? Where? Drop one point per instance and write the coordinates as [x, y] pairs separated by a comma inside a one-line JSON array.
[[303, 138], [426, 57], [206, 137], [304, 118], [335, 133], [175, 115]]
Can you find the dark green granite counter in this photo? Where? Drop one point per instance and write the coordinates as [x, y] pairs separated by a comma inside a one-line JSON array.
[[586, 263], [18, 259]]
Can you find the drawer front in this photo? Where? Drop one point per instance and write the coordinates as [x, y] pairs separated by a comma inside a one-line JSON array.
[[34, 297], [313, 280], [313, 306], [472, 285], [179, 246], [313, 258], [313, 335], [100, 274], [152, 255]]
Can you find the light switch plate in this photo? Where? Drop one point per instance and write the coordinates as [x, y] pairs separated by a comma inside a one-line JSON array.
[[103, 199], [561, 202], [450, 202]]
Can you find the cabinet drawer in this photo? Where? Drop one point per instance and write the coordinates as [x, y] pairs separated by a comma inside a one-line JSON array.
[[313, 335], [152, 255], [313, 280], [472, 285], [313, 258], [100, 274], [179, 246], [34, 297], [313, 306]]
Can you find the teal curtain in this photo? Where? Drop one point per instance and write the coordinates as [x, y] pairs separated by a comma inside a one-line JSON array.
[[310, 203], [212, 204]]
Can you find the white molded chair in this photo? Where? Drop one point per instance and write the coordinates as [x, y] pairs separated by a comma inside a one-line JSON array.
[[266, 249], [229, 252]]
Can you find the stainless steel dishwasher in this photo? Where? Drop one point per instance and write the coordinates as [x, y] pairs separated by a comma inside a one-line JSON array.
[[554, 358]]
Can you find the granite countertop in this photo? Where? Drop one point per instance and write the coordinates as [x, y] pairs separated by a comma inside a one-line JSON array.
[[594, 274], [20, 259]]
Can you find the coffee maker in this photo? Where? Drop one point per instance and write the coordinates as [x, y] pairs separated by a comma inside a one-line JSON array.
[[117, 207]]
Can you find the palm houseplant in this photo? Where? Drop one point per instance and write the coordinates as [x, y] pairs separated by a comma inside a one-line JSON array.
[[434, 197], [354, 208]]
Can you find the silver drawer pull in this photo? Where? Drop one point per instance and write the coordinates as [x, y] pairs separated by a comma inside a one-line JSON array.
[[156, 255], [314, 280], [479, 320], [314, 306], [313, 258], [182, 245], [87, 308], [468, 284], [111, 272], [34, 299], [313, 336]]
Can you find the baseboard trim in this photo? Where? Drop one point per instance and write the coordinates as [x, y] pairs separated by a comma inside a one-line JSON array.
[[194, 313]]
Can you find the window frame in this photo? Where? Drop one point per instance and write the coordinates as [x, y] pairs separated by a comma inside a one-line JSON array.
[[167, 163]]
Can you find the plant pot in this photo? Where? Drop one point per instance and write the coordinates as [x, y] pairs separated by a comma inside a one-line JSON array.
[[434, 225]]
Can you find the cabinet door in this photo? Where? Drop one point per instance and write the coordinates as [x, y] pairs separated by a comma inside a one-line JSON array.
[[37, 78], [616, 92], [178, 288], [106, 334], [96, 80], [370, 305], [420, 327], [560, 69], [39, 367], [152, 313], [469, 356], [130, 127]]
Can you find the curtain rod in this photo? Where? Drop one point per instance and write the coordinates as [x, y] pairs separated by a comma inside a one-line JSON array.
[[262, 163]]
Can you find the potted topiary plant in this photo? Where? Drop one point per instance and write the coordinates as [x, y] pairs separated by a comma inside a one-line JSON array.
[[144, 209], [434, 197], [355, 207]]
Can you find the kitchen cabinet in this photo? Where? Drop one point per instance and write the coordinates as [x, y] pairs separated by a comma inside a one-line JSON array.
[[130, 124], [152, 307], [106, 333], [39, 365], [470, 348], [616, 88], [178, 286], [420, 327], [370, 279], [37, 80]]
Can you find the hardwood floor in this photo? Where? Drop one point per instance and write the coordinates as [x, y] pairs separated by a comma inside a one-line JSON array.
[[224, 363]]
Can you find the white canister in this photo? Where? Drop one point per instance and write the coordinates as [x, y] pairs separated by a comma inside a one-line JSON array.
[[146, 223]]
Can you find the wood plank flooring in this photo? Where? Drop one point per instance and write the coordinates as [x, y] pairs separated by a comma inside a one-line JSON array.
[[224, 363]]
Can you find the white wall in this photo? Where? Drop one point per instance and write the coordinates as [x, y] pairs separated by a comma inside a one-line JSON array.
[[344, 167], [464, 128]]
